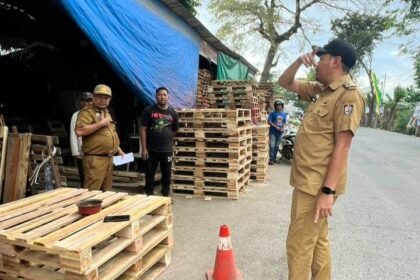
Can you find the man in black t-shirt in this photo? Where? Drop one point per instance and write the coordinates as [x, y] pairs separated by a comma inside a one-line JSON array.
[[159, 124]]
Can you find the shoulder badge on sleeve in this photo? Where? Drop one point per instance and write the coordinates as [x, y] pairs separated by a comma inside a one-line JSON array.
[[348, 109], [349, 85]]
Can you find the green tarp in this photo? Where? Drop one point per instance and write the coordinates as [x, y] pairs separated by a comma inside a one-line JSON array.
[[229, 68]]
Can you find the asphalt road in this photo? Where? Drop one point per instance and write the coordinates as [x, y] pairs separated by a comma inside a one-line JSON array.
[[374, 232]]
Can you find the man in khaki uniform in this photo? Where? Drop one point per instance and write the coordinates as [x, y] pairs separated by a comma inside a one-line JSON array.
[[100, 140], [319, 169]]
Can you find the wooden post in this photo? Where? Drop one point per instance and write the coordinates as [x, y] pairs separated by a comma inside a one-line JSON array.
[[4, 132], [16, 166]]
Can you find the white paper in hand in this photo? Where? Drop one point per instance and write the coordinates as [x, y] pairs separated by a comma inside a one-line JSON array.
[[118, 160]]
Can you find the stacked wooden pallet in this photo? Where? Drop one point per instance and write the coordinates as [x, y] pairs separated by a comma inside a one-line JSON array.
[[260, 153], [44, 237], [204, 79], [233, 94], [268, 88], [213, 152]]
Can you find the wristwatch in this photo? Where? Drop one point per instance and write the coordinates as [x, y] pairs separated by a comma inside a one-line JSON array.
[[327, 190]]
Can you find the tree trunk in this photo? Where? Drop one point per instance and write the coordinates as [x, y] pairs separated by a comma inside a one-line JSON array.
[[391, 116], [265, 76]]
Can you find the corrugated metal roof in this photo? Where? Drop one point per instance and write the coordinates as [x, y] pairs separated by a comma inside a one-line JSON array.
[[205, 34]]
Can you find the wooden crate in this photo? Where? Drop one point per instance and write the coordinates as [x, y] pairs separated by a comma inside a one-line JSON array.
[[44, 237]]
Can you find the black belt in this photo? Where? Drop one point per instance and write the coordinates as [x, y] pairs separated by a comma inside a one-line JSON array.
[[99, 155]]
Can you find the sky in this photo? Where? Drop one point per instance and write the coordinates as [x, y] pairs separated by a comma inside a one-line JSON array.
[[391, 67]]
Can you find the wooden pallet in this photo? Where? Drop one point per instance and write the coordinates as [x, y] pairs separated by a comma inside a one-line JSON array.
[[227, 164], [200, 134], [43, 236], [214, 114], [212, 180], [210, 192], [214, 153], [210, 124], [217, 174], [210, 145]]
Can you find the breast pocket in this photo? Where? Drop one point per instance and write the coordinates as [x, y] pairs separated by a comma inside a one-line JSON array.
[[321, 113], [321, 120]]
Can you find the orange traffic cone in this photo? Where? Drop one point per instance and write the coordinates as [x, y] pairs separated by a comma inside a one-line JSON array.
[[224, 266]]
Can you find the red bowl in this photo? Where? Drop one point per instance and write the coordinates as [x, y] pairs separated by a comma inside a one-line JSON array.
[[89, 207]]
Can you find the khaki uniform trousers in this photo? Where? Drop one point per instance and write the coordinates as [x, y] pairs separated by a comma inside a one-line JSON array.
[[308, 248], [98, 173]]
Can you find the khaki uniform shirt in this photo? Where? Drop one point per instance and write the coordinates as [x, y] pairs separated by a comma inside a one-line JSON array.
[[104, 140], [338, 107]]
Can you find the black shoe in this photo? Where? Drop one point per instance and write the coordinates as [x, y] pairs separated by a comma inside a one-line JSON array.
[[271, 162]]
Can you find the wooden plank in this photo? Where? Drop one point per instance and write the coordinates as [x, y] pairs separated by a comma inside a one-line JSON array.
[[9, 207], [42, 203], [17, 166], [50, 239], [42, 139], [4, 131]]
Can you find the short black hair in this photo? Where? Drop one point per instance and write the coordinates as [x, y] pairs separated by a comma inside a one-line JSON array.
[[161, 88]]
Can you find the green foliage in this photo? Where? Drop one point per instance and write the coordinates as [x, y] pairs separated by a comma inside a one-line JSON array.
[[407, 14], [401, 120], [412, 96], [191, 5], [363, 31]]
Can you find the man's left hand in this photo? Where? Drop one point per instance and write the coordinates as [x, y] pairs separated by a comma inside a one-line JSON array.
[[324, 206]]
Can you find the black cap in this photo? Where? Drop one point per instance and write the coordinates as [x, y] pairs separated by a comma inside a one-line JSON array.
[[339, 47], [85, 96]]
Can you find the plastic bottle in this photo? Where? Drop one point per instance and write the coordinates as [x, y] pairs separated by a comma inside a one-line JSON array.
[[49, 177]]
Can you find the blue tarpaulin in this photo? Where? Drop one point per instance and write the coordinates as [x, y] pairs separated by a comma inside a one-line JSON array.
[[145, 43]]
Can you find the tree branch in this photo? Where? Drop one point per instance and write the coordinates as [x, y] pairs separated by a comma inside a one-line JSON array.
[[293, 29], [309, 5], [286, 8], [304, 35], [335, 7], [262, 30]]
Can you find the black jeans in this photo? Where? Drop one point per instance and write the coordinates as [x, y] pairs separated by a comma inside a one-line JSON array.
[[164, 159]]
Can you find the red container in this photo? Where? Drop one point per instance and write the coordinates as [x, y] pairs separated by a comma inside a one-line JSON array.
[[89, 207]]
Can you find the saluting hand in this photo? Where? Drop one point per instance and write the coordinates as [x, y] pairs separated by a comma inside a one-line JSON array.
[[308, 59]]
